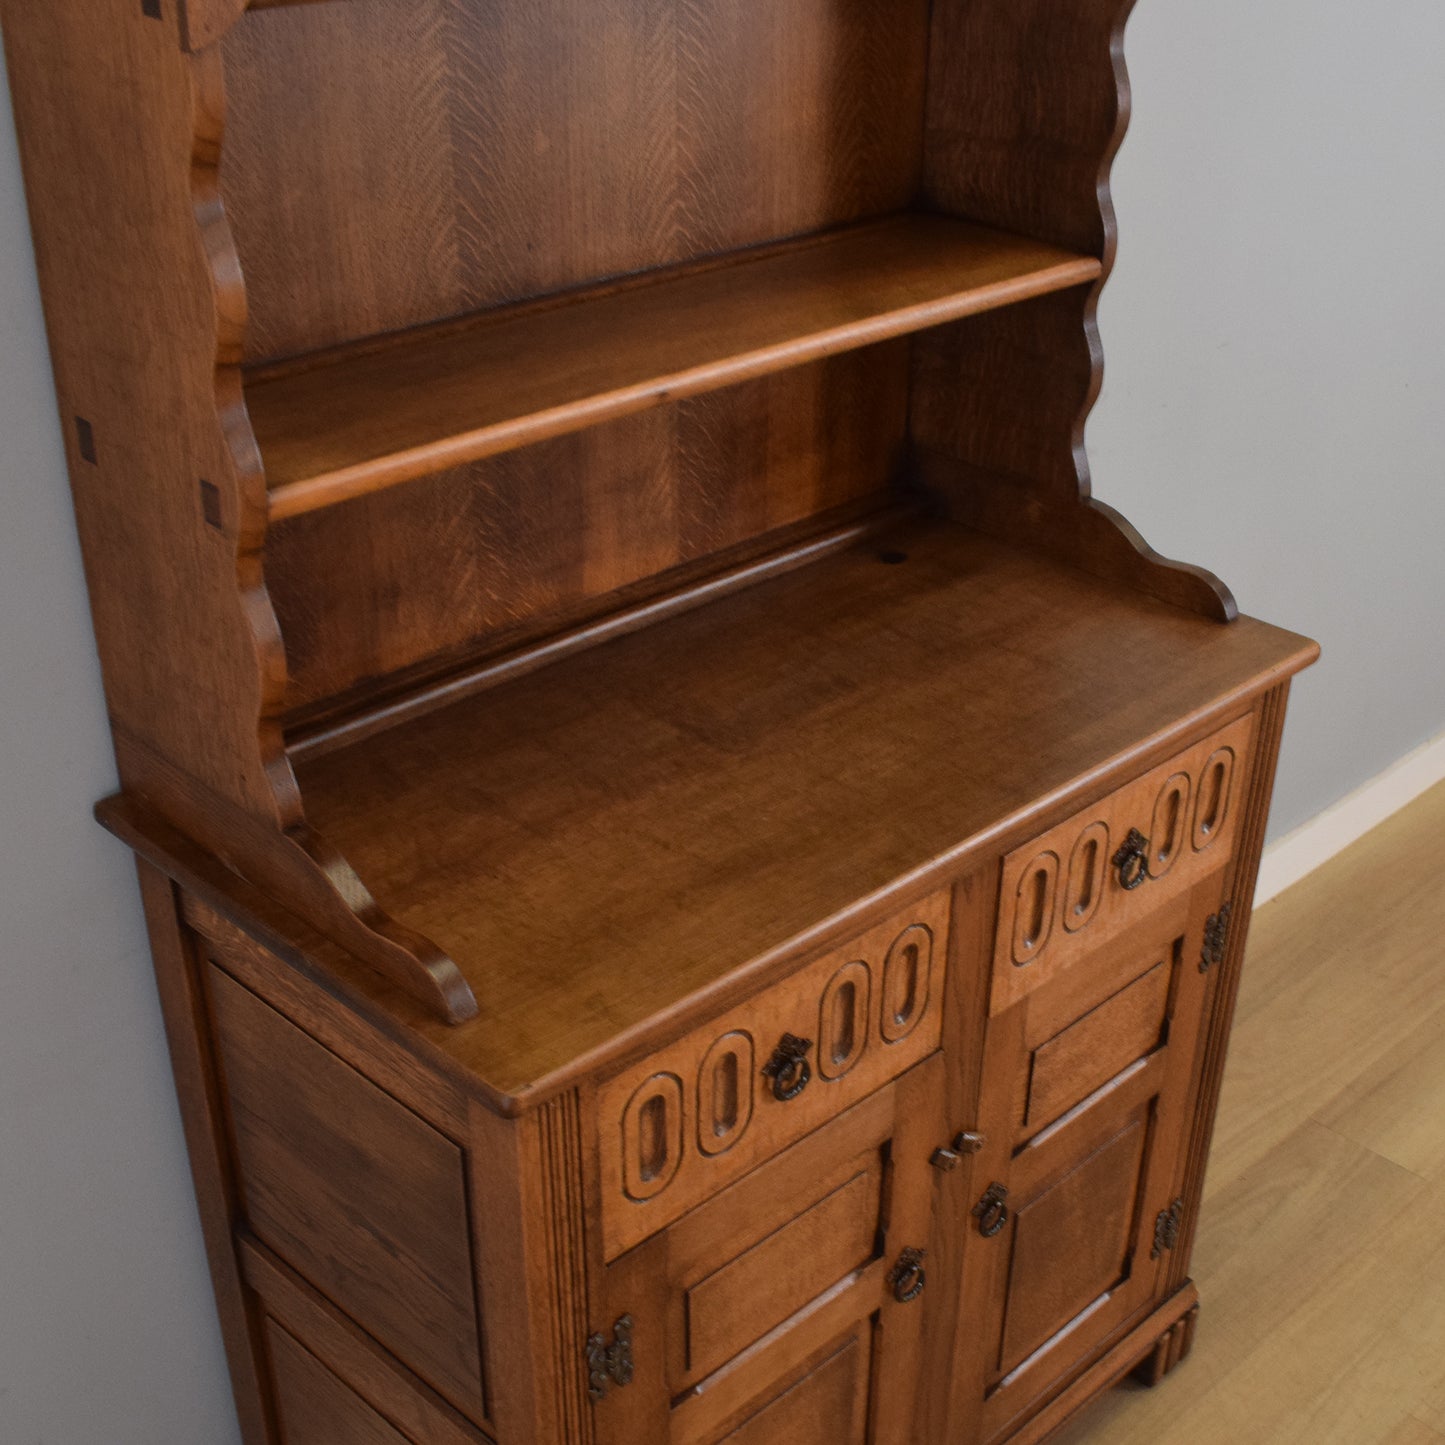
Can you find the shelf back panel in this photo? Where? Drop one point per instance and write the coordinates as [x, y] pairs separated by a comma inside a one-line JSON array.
[[388, 165], [416, 580]]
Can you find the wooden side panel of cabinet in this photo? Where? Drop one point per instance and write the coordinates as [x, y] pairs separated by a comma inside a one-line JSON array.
[[315, 1408], [354, 1191]]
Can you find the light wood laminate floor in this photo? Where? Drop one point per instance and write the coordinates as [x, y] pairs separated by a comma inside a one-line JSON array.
[[1321, 1253]]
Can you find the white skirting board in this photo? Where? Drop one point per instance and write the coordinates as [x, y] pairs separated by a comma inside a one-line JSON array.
[[1287, 860]]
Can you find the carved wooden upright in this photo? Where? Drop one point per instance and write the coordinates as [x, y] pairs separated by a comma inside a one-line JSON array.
[[697, 878]]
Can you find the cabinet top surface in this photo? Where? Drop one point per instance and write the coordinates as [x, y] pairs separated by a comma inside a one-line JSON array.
[[598, 842]]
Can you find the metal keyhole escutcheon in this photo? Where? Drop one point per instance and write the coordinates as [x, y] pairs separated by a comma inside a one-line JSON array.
[[789, 1068]]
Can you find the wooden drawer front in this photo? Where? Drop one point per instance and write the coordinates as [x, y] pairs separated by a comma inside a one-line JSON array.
[[1062, 894], [358, 1195], [685, 1122], [774, 1306]]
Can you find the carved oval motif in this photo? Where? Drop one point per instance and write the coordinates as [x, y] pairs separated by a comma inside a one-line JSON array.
[[906, 974], [1171, 822], [1034, 907], [1212, 807], [652, 1137], [843, 1019], [1085, 887], [725, 1093]]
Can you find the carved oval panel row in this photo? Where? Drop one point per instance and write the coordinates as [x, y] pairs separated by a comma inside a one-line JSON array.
[[700, 1112], [1072, 888]]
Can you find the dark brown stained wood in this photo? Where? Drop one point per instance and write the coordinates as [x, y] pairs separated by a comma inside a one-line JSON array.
[[689, 1164], [440, 1100], [744, 674], [826, 1407], [213, 1167], [1027, 104], [1239, 890], [119, 135], [353, 1191], [760, 1288], [749, 1282], [710, 789], [521, 545], [315, 1407], [350, 1354], [1076, 1061], [506, 151], [997, 419], [372, 417], [1071, 1244]]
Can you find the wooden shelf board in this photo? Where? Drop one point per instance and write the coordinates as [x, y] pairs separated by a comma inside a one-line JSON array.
[[597, 841], [375, 416]]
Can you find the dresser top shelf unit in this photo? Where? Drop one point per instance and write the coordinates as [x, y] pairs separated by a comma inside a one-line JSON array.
[[333, 427], [602, 839]]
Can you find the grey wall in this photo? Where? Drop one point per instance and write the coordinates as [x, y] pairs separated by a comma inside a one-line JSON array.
[[1275, 407], [1274, 398]]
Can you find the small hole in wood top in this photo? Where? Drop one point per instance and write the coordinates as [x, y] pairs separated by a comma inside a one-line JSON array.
[[151, 8], [85, 439], [211, 503], [893, 558]]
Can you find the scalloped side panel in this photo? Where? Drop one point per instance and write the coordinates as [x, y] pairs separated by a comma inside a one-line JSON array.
[[1028, 105]]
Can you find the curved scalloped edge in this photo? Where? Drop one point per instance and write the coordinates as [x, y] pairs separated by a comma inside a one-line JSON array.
[[999, 425], [1210, 595], [304, 871]]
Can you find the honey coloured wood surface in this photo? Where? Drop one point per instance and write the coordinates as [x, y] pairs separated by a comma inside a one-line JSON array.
[[598, 841], [373, 417]]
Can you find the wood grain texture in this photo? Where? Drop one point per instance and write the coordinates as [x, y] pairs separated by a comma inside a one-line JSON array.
[[366, 419], [1314, 1328], [697, 1165], [315, 1407], [513, 151], [145, 311], [417, 581], [528, 1184], [813, 1233], [1027, 107], [353, 1191], [213, 1165], [351, 1355], [1040, 938], [709, 790]]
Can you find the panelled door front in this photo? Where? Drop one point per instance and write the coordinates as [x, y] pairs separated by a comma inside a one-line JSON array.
[[792, 1305], [1083, 1105]]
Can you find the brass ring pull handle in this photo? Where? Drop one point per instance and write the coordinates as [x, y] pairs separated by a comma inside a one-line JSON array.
[[789, 1068], [1132, 860], [991, 1211], [906, 1279]]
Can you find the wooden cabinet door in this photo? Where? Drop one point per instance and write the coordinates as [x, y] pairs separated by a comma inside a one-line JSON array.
[[778, 1308], [1084, 1104]]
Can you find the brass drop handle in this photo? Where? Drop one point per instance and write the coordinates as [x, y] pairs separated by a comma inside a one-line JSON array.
[[1132, 861], [906, 1279], [789, 1068], [991, 1211]]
